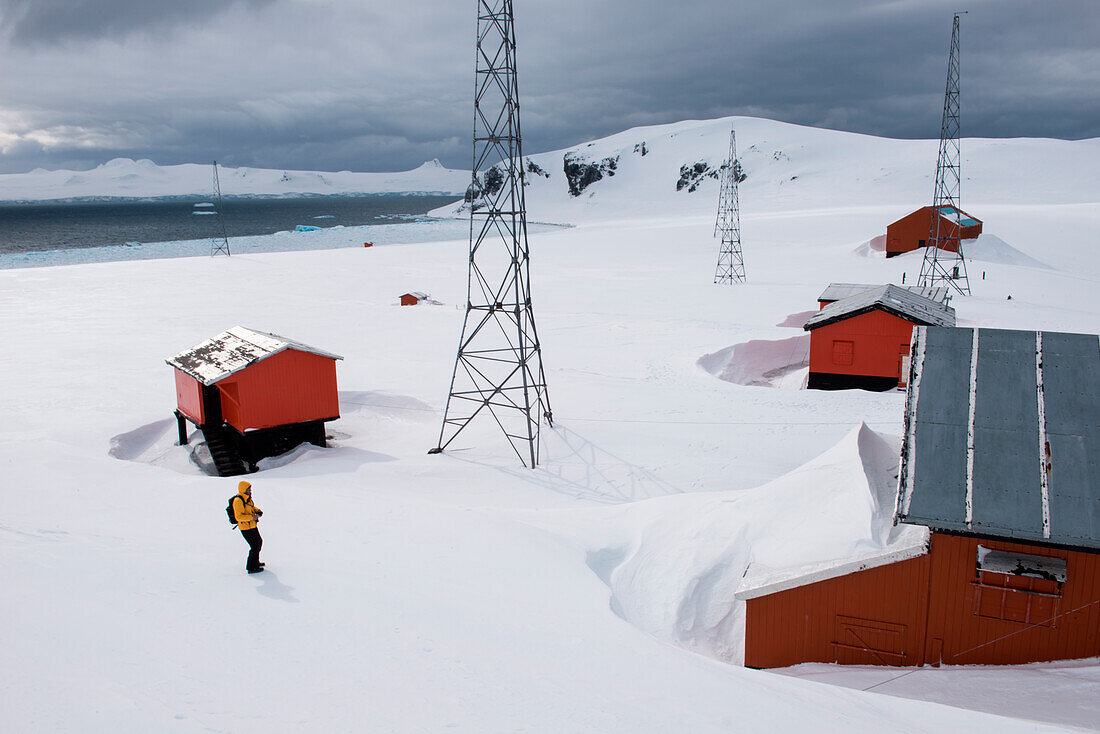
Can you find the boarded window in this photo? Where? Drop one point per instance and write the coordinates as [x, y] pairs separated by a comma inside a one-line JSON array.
[[868, 642], [1017, 587], [843, 352]]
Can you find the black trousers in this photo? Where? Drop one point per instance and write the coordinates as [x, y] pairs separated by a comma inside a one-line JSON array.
[[255, 542]]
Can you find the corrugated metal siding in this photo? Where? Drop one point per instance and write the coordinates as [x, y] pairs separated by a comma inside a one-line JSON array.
[[288, 387], [923, 611], [878, 337], [189, 397], [839, 291], [894, 299], [1006, 455], [1012, 494], [1072, 395]]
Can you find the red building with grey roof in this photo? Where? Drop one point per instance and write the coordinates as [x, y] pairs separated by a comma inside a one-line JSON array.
[[998, 470], [862, 341]]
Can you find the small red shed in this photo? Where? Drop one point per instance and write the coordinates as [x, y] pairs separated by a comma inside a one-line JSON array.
[[994, 464], [912, 230], [862, 341], [411, 299], [254, 394]]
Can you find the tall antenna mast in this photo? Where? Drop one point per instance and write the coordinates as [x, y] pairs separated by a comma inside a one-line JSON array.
[[941, 266], [220, 244], [498, 369], [731, 265]]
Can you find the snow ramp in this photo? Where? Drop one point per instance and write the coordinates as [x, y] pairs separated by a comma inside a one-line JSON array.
[[677, 562]]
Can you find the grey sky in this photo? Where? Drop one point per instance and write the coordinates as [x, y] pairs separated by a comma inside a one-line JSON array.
[[371, 85]]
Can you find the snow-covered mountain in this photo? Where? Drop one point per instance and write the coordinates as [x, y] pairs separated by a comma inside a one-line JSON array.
[[673, 169], [645, 170], [123, 177]]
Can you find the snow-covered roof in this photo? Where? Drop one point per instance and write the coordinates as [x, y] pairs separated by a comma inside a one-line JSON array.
[[418, 295], [891, 298], [840, 291], [1001, 433], [232, 351], [762, 582]]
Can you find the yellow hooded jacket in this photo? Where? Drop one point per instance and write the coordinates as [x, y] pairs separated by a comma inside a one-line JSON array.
[[245, 512]]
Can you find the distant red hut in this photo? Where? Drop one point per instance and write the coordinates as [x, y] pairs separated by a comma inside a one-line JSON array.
[[912, 230], [254, 395], [411, 299], [994, 465], [862, 341]]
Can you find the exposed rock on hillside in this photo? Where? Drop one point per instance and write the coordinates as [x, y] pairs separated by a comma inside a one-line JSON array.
[[536, 169], [581, 173], [692, 175]]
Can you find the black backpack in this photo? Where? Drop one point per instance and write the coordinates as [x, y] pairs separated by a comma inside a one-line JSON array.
[[229, 509]]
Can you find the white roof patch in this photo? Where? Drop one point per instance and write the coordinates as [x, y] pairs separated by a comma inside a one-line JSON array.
[[233, 350]]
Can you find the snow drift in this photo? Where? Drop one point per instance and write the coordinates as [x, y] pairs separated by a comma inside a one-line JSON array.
[[679, 561]]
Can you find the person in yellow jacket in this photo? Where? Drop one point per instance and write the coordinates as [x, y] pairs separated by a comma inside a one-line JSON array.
[[248, 515]]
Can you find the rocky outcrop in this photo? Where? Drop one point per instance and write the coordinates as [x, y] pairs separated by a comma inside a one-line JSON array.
[[536, 170], [581, 173], [692, 175]]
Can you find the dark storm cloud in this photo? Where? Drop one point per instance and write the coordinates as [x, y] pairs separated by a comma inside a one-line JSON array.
[[373, 85], [872, 67], [29, 22]]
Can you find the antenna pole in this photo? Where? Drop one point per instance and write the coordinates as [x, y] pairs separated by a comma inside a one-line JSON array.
[[731, 264], [498, 371], [219, 245], [944, 262]]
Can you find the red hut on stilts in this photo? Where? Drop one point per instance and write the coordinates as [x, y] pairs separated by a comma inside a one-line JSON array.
[[254, 395]]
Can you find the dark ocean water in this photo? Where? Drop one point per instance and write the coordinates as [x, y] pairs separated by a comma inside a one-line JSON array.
[[31, 228]]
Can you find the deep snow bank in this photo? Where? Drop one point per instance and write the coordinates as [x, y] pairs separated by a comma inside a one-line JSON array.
[[762, 362], [678, 561]]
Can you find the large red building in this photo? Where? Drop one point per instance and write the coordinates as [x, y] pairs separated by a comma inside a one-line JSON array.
[[912, 230], [862, 341], [253, 395], [995, 465]]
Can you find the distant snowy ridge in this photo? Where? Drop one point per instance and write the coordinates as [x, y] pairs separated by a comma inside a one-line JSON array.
[[126, 178], [674, 169]]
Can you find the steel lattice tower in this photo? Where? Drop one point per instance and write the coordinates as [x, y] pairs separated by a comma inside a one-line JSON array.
[[940, 266], [731, 264], [220, 244], [499, 364]]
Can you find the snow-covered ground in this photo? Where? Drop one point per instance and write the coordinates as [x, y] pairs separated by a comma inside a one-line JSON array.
[[417, 593]]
